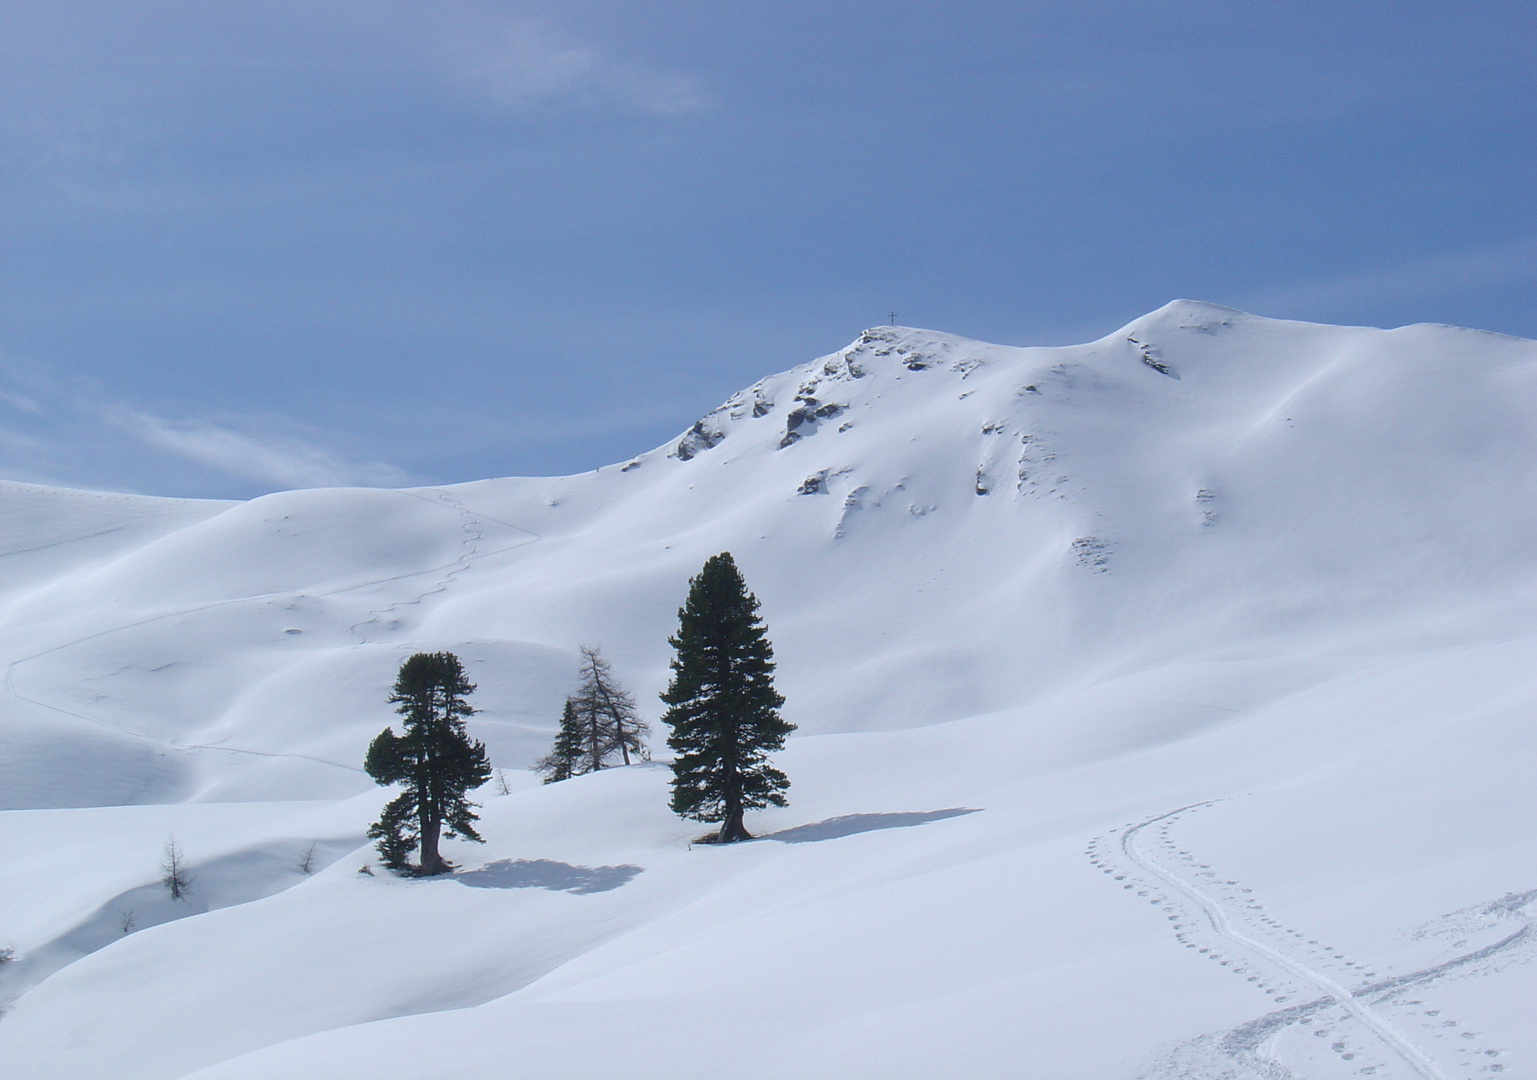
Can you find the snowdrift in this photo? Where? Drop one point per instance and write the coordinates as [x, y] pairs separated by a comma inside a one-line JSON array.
[[1164, 711]]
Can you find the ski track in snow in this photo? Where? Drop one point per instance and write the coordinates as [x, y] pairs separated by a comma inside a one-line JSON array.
[[1292, 965], [471, 525], [60, 543], [1413, 1055]]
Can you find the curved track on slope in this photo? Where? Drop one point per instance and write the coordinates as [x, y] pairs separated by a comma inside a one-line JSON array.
[[473, 537], [1223, 921], [1223, 926]]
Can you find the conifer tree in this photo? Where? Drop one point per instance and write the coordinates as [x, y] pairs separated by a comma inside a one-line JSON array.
[[722, 705], [565, 759], [600, 721], [435, 760]]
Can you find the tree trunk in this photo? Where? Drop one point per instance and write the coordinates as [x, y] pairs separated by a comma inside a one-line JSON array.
[[594, 741], [432, 862], [613, 714], [732, 829]]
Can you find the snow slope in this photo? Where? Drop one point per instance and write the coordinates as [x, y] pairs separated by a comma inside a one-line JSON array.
[[1164, 711]]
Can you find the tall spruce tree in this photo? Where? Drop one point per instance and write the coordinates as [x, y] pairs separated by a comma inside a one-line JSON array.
[[435, 760], [722, 705], [567, 756]]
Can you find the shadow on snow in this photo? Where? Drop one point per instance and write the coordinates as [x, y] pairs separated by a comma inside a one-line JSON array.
[[548, 874], [238, 877], [849, 824]]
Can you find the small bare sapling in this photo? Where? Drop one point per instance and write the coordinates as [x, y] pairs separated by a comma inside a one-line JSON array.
[[174, 873], [127, 921], [307, 860], [501, 783]]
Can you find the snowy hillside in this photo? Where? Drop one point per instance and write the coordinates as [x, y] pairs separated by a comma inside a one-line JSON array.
[[1165, 710]]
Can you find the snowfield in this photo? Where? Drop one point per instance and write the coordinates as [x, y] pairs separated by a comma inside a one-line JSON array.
[[1165, 704]]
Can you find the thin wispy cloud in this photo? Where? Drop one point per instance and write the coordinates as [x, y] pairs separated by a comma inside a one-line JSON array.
[[115, 91], [68, 432], [266, 457], [21, 402], [1448, 274], [526, 66]]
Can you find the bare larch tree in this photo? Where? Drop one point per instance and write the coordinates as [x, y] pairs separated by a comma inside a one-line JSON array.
[[598, 724], [607, 714], [174, 874]]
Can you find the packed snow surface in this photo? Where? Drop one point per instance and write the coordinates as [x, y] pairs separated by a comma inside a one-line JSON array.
[[1165, 710]]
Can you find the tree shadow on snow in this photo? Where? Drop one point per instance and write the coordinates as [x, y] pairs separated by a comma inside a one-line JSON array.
[[548, 874], [237, 877], [849, 824]]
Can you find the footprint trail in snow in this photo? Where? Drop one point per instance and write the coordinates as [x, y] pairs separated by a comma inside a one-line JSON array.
[[1361, 1023]]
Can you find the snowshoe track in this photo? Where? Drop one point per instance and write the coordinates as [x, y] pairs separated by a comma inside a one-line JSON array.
[[1287, 964], [474, 536]]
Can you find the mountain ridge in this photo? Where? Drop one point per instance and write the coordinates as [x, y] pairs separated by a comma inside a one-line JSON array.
[[1251, 469], [1163, 705]]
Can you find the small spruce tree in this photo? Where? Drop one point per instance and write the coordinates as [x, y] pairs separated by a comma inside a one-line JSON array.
[[434, 759], [722, 706], [567, 755]]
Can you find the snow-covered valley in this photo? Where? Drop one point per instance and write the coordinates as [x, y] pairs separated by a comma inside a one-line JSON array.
[[1165, 710]]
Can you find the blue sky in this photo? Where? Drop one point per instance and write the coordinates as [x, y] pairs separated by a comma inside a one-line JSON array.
[[250, 246]]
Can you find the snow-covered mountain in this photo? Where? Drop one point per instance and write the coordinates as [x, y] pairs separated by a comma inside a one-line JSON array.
[[1164, 710]]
